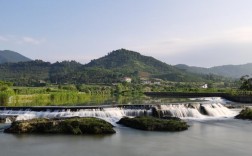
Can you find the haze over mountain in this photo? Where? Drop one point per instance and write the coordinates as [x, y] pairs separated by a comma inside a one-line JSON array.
[[232, 71], [7, 56]]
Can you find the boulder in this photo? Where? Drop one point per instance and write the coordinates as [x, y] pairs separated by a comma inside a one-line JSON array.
[[75, 126], [7, 119]]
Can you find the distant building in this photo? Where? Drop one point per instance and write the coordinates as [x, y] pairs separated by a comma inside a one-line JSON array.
[[157, 83], [127, 79], [151, 82], [146, 82], [204, 86]]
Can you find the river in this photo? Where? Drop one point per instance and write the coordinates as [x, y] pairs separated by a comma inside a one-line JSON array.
[[212, 136]]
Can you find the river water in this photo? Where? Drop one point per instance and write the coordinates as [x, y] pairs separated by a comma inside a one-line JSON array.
[[214, 136]]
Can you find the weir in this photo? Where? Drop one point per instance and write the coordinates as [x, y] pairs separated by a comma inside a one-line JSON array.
[[116, 112]]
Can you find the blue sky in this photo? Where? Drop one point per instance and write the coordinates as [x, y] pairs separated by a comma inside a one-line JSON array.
[[194, 32]]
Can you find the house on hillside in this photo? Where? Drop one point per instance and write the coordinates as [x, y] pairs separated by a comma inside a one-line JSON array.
[[151, 82], [127, 79], [205, 86]]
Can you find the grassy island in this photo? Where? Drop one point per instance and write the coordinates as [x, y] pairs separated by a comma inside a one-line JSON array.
[[154, 124], [245, 114], [76, 126]]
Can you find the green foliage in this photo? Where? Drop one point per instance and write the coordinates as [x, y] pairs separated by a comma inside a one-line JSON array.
[[246, 83], [25, 73], [154, 124], [63, 72], [128, 89], [106, 70], [245, 114], [5, 92]]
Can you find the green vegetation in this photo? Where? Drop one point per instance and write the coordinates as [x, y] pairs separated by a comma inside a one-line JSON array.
[[76, 126], [246, 83], [105, 70], [71, 95], [5, 92], [154, 124], [69, 82], [245, 114]]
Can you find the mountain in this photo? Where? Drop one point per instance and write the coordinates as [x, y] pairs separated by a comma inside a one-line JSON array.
[[108, 69], [7, 56], [232, 71], [132, 63]]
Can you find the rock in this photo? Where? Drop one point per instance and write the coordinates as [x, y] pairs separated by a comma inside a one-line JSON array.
[[154, 124], [75, 126], [7, 119], [245, 114]]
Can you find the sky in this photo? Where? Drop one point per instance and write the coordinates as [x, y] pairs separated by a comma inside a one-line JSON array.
[[202, 33]]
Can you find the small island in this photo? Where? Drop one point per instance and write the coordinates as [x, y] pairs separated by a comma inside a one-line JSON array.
[[245, 114], [76, 126], [154, 124]]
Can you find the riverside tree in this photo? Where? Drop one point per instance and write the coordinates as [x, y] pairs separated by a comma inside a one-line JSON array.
[[246, 83], [5, 92]]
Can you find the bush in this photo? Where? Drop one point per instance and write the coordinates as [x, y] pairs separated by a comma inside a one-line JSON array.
[[245, 114]]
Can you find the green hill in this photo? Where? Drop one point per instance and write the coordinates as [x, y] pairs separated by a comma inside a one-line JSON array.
[[7, 56], [108, 69], [130, 63]]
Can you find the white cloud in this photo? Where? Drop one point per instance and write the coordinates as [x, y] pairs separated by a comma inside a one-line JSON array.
[[30, 40], [22, 40], [2, 38], [176, 46]]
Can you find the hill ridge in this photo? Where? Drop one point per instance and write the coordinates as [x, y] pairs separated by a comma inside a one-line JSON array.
[[232, 71], [8, 56]]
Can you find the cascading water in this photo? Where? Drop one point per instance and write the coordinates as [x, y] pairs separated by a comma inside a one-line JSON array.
[[110, 114], [113, 114], [180, 110], [199, 111]]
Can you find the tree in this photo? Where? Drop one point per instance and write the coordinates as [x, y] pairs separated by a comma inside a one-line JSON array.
[[246, 83], [5, 92]]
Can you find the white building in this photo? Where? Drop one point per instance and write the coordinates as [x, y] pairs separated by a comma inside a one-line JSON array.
[[204, 86], [127, 79]]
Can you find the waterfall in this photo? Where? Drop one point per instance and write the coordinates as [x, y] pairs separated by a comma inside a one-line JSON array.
[[8, 120], [113, 114], [218, 110], [180, 110], [196, 110]]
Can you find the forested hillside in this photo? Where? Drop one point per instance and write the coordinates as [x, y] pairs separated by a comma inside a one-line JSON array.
[[108, 69]]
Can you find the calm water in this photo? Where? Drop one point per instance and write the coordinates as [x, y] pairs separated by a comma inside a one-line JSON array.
[[226, 137]]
